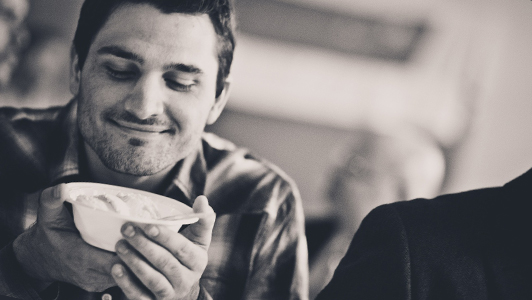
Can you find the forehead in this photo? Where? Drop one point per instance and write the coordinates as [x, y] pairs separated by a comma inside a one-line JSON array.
[[145, 30]]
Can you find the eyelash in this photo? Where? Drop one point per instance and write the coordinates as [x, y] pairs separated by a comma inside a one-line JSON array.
[[126, 75], [176, 86], [120, 75]]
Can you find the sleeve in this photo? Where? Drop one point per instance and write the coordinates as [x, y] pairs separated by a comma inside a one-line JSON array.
[[377, 263], [13, 281], [279, 265]]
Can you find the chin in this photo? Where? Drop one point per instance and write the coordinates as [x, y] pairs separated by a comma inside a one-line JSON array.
[[136, 160], [136, 167]]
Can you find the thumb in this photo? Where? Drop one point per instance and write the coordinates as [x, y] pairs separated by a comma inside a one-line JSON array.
[[51, 208], [201, 232]]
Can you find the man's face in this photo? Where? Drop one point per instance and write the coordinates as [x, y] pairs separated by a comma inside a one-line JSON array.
[[12, 33], [147, 88]]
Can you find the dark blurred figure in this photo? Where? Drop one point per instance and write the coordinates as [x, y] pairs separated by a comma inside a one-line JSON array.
[[374, 169], [41, 78], [13, 36], [469, 245]]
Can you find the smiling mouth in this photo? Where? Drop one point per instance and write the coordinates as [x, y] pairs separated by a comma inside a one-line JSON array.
[[142, 128]]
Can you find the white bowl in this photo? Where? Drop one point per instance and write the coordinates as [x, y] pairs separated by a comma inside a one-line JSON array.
[[101, 228]]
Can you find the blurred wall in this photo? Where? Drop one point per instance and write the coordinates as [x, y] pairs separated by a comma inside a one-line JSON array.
[[303, 150], [61, 15], [499, 144]]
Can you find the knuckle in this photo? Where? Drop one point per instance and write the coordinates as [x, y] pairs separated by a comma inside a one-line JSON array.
[[141, 242], [183, 250], [173, 269], [163, 260], [164, 238], [138, 269], [162, 293]]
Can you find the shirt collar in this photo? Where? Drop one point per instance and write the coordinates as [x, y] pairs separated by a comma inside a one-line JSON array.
[[191, 175], [189, 178]]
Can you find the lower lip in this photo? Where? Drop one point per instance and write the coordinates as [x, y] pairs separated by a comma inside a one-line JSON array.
[[134, 131]]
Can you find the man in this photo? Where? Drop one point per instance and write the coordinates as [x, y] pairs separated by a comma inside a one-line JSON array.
[[147, 76], [471, 245], [12, 36]]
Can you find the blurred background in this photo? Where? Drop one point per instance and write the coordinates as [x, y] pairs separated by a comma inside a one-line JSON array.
[[361, 102]]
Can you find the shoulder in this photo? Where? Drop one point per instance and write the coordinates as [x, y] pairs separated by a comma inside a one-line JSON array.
[[439, 227], [418, 246], [27, 137], [29, 127], [18, 114], [238, 171], [449, 208], [25, 121], [443, 212]]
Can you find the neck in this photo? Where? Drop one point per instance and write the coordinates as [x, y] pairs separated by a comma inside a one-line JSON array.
[[98, 172]]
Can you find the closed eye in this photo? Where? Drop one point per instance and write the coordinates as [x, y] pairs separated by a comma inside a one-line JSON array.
[[179, 87], [120, 74]]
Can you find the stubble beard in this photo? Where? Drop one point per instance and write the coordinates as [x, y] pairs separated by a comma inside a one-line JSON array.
[[133, 157], [131, 160]]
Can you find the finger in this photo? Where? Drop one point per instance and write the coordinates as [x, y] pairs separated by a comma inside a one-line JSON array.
[[150, 278], [200, 232], [51, 208], [129, 284], [101, 260], [78, 256], [176, 246]]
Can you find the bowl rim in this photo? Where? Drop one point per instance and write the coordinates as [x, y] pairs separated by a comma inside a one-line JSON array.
[[71, 186]]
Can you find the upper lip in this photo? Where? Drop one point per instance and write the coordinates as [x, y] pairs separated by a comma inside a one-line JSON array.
[[143, 127]]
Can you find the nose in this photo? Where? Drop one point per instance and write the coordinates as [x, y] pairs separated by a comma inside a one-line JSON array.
[[147, 97]]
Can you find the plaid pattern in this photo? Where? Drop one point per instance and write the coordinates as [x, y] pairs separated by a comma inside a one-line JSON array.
[[258, 249]]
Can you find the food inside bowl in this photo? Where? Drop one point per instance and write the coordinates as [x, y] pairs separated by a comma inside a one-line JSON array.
[[127, 204]]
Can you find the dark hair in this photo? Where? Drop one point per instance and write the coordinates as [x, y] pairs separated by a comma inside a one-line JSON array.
[[94, 13]]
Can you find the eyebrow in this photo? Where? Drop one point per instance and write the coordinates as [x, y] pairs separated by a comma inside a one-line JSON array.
[[122, 53], [184, 68], [119, 52]]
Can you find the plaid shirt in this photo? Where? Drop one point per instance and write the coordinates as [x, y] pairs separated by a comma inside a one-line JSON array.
[[258, 248]]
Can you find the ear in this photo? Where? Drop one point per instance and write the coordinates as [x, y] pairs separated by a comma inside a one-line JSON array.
[[219, 103], [75, 72]]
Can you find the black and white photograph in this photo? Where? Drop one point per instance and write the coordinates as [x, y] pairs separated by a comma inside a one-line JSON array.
[[265, 149]]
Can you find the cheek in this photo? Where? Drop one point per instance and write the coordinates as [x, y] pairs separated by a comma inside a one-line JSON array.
[[86, 114], [98, 94], [191, 114], [91, 104]]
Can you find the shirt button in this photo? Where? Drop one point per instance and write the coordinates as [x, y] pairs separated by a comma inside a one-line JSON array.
[[107, 297]]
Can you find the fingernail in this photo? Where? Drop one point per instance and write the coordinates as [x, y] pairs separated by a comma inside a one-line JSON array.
[[118, 271], [56, 192], [153, 231], [121, 248], [129, 231]]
